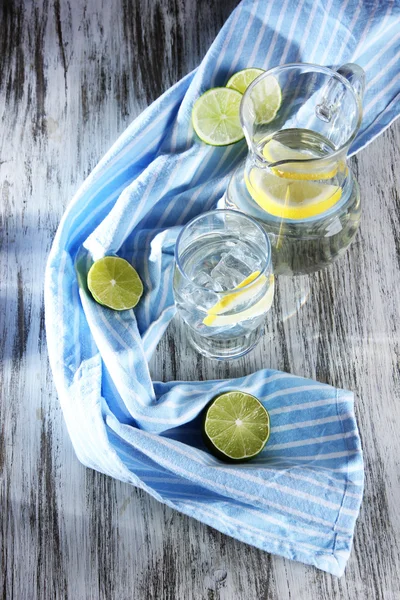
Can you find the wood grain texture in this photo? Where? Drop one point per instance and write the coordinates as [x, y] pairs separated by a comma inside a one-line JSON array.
[[73, 74]]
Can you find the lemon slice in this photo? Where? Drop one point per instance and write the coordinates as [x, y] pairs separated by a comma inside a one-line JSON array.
[[230, 301], [241, 80], [215, 117], [216, 317], [291, 199], [311, 170]]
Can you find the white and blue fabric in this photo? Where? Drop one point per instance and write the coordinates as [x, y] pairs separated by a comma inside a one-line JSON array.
[[300, 498]]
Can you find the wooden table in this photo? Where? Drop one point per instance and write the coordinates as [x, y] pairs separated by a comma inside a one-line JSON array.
[[72, 76]]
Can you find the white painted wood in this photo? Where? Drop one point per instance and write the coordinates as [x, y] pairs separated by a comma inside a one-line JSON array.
[[72, 76]]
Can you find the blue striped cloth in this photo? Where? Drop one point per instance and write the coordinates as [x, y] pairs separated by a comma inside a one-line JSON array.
[[301, 497]]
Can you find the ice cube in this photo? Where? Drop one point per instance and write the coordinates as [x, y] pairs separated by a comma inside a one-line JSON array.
[[200, 292], [235, 266], [205, 280], [240, 255], [192, 296]]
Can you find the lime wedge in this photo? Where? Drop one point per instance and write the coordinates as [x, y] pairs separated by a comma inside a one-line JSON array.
[[241, 80], [114, 283], [216, 317], [236, 426], [311, 170], [289, 198], [215, 117]]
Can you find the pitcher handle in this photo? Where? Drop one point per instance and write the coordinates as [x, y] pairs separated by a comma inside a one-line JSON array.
[[333, 93], [355, 75]]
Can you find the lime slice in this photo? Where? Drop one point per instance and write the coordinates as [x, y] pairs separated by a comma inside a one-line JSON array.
[[241, 80], [97, 300], [266, 98], [114, 283], [216, 317], [215, 117], [291, 199], [236, 426], [311, 170]]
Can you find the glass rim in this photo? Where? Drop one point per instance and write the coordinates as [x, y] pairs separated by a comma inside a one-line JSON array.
[[315, 67], [236, 213]]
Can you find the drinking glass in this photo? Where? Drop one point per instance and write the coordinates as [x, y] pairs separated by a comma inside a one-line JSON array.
[[223, 282]]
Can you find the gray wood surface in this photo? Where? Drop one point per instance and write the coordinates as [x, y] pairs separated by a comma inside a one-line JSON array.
[[72, 76]]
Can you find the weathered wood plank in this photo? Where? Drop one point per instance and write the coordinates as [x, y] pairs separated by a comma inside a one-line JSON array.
[[72, 76]]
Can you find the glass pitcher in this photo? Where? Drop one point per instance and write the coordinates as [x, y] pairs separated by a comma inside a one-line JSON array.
[[299, 121]]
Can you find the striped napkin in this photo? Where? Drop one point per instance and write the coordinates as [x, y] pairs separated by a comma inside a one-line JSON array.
[[300, 498]]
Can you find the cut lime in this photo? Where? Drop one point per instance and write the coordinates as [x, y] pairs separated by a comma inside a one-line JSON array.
[[215, 117], [241, 80], [216, 317], [266, 98], [289, 198], [311, 170], [97, 300], [114, 283], [236, 426]]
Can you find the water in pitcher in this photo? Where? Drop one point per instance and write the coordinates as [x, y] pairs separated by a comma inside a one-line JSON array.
[[310, 208], [295, 180]]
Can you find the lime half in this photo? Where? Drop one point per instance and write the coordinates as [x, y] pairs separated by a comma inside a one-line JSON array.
[[266, 97], [215, 117], [114, 283], [241, 80], [236, 426]]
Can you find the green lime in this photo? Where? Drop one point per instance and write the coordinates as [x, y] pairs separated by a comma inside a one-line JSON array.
[[97, 300], [236, 426], [215, 117], [266, 97], [241, 80], [114, 283]]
